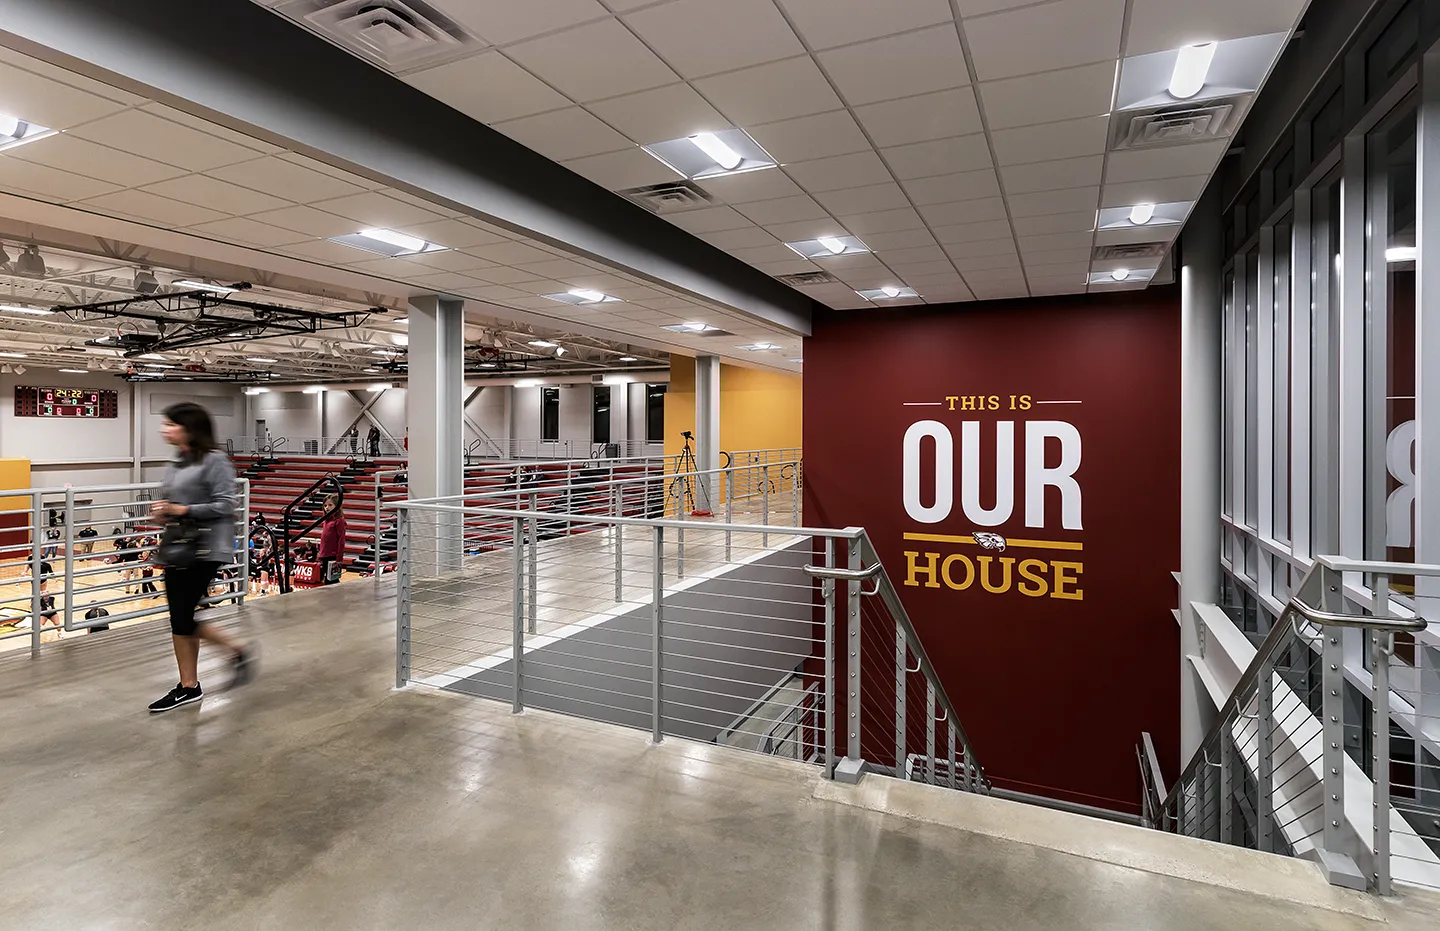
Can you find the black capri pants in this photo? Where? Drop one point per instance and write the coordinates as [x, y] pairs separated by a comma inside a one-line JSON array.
[[184, 588]]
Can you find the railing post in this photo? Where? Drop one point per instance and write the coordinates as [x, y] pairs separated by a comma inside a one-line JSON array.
[[37, 547], [1382, 645], [765, 504], [795, 494], [680, 542], [70, 557], [951, 735], [930, 729], [729, 507], [1226, 790], [402, 599], [1265, 741], [243, 540], [827, 588], [517, 627], [657, 649], [534, 572], [379, 536], [900, 670], [852, 767]]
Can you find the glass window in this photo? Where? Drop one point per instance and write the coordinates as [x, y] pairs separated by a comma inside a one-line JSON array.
[[1227, 376], [600, 429], [655, 413], [549, 413], [1392, 51], [1326, 125], [1251, 400], [1284, 174], [1280, 385]]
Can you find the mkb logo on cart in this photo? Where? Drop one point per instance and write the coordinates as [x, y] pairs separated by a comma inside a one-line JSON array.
[[1030, 465]]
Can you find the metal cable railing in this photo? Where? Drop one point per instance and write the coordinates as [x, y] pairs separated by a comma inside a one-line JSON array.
[[733, 633], [1303, 729]]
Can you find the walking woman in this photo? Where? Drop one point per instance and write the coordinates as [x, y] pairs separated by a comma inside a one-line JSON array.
[[197, 505]]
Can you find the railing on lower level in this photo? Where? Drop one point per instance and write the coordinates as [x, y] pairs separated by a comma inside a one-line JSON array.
[[1306, 760], [774, 638]]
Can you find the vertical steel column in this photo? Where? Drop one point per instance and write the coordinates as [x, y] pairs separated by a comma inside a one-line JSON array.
[[375, 554], [852, 660], [1227, 789], [930, 730], [1382, 645], [1265, 765], [657, 649], [795, 494], [827, 589], [765, 503], [517, 619], [972, 782], [534, 572], [1332, 717], [617, 534], [70, 557], [37, 545], [900, 669], [402, 599]]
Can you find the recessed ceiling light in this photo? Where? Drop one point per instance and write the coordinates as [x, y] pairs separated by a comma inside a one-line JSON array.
[[15, 131], [257, 390], [828, 247], [152, 355], [543, 344], [719, 152], [370, 371], [887, 293], [1140, 214], [158, 365], [14, 355], [32, 311], [75, 371], [487, 365], [691, 328], [210, 286], [797, 361], [704, 155], [1192, 63], [387, 242], [382, 386], [527, 383], [627, 359], [759, 347], [833, 245], [1120, 274], [587, 294], [387, 353], [582, 296], [260, 359], [1401, 254], [399, 339], [315, 389]]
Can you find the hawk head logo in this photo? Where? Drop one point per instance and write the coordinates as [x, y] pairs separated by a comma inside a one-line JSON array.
[[990, 541]]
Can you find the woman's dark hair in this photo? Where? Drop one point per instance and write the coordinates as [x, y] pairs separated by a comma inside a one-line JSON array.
[[199, 429]]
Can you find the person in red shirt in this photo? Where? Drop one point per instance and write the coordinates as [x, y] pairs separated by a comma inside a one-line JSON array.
[[332, 541]]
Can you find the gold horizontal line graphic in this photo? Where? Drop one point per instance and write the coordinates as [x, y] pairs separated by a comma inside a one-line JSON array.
[[1009, 541]]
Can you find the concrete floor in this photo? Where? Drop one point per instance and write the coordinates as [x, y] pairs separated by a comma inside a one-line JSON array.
[[319, 797]]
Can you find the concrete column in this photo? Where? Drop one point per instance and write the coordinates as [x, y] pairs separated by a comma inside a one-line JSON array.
[[1201, 309], [707, 429], [434, 413]]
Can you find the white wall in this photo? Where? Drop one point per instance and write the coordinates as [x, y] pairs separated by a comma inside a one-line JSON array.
[[524, 413], [490, 410], [577, 412], [291, 414]]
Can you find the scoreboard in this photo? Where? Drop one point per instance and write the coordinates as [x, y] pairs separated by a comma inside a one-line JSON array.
[[66, 402]]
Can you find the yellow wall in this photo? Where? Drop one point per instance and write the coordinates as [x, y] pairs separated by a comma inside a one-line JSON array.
[[14, 475], [758, 410]]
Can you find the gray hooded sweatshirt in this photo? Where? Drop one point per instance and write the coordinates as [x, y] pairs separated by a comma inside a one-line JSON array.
[[208, 488]]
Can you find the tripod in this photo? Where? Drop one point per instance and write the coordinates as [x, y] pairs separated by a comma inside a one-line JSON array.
[[687, 467]]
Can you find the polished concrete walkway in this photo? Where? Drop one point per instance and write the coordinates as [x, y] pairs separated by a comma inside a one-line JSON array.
[[319, 797]]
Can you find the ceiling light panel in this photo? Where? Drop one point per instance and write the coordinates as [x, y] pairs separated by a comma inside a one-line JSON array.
[[827, 247], [706, 155], [1235, 67], [387, 242], [887, 293], [583, 297], [1131, 276]]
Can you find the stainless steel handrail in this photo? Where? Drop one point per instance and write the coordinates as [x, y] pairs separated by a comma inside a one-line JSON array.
[[1361, 621]]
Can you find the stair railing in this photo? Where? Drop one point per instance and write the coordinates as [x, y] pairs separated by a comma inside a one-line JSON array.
[[287, 532]]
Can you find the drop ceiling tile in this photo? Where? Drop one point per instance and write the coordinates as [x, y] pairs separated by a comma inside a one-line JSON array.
[[285, 180], [633, 293], [981, 247], [1077, 222], [749, 186], [594, 61], [499, 22], [487, 87], [922, 118], [1168, 162], [708, 219], [1058, 256], [938, 157], [1156, 25], [698, 37], [913, 256], [965, 211], [947, 295], [557, 268], [802, 230], [211, 128], [999, 291], [808, 138], [216, 195], [1053, 175], [248, 231], [147, 135], [942, 280], [923, 268], [978, 7], [51, 184], [1046, 36], [767, 93], [841, 171], [373, 209], [898, 66], [141, 206], [967, 185], [1075, 272], [836, 264], [447, 281], [29, 96], [794, 267], [69, 152], [565, 134], [496, 292], [1046, 141], [1132, 234], [867, 199], [901, 239], [977, 263], [784, 210], [828, 23], [987, 275], [1056, 241], [510, 253], [331, 253], [1072, 200], [454, 234], [1046, 98], [617, 171], [1163, 191], [745, 237], [308, 220], [451, 260], [883, 221], [502, 274], [974, 232], [313, 164], [660, 114]]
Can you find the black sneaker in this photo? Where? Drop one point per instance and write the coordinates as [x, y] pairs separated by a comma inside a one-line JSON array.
[[176, 697], [243, 666]]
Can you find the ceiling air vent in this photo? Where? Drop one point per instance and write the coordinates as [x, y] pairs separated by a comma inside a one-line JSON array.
[[805, 278], [1174, 126], [670, 197], [1130, 251], [394, 34]]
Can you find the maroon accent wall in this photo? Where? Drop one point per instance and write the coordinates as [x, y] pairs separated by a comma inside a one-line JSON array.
[[1053, 689]]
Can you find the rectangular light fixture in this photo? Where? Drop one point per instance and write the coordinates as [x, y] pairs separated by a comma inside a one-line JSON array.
[[75, 371], [210, 286], [691, 328], [377, 388], [582, 296], [254, 391], [32, 311], [759, 347], [542, 344], [315, 389], [1192, 64], [158, 365], [627, 359], [388, 242], [527, 383], [13, 355], [260, 359], [887, 293], [16, 132], [827, 247], [720, 153], [1401, 254], [152, 355], [400, 339], [387, 353], [704, 155]]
